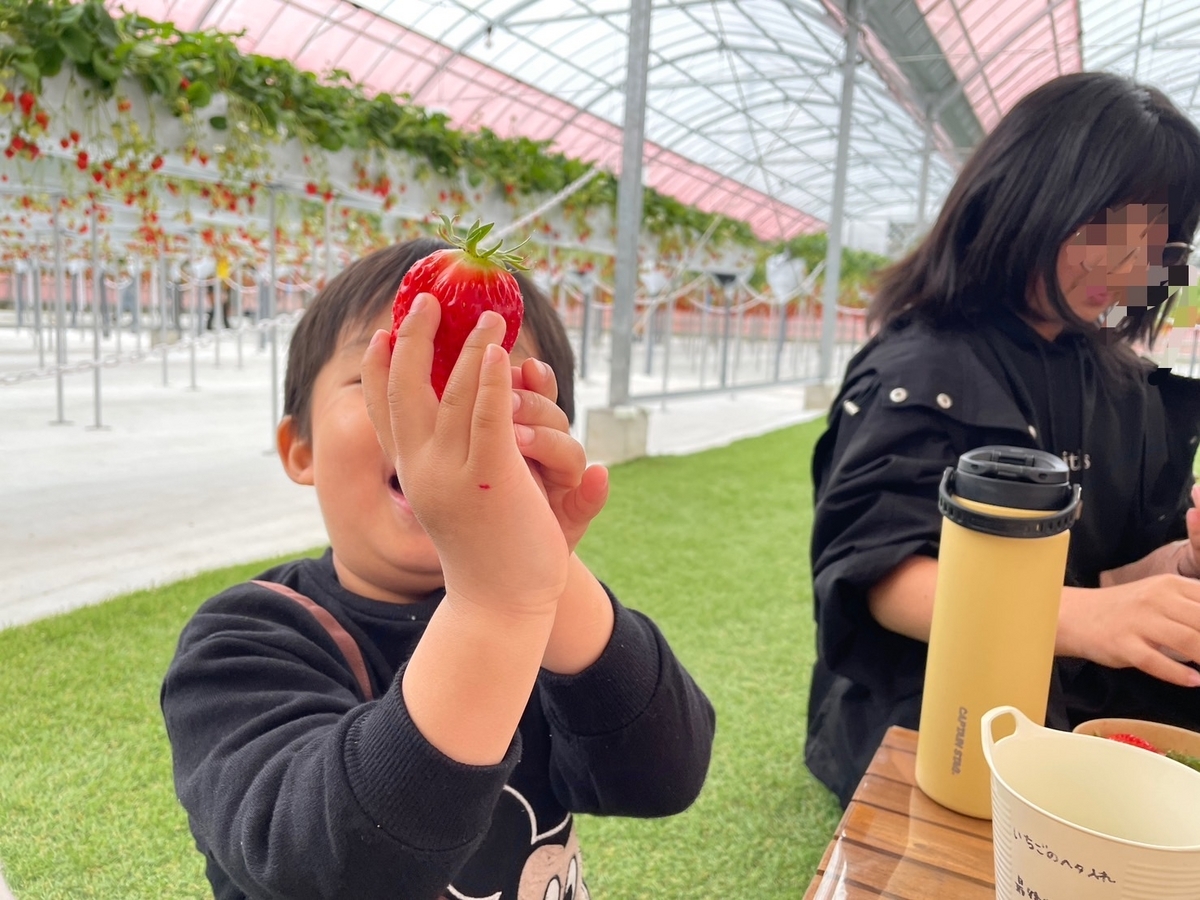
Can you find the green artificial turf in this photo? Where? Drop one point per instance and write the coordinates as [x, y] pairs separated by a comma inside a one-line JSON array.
[[713, 546]]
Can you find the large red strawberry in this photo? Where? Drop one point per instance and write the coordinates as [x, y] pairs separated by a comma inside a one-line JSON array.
[[466, 281]]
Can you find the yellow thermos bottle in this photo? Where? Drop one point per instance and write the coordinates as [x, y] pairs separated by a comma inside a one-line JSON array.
[[1006, 515]]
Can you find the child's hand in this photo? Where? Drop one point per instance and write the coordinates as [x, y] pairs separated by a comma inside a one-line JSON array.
[[576, 491], [458, 464]]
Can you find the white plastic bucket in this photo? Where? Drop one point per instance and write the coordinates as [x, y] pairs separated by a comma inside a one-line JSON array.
[[1076, 817]]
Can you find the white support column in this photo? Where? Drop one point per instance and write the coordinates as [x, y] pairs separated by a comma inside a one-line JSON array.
[[269, 300], [629, 202], [60, 315], [618, 431], [97, 284], [833, 258], [923, 182]]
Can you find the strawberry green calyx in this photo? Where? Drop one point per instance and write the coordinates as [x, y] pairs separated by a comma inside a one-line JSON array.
[[469, 243]]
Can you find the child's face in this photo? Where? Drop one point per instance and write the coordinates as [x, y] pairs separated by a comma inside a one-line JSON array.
[[380, 549]]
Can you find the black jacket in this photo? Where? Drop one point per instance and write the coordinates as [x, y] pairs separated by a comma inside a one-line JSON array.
[[912, 401], [298, 787]]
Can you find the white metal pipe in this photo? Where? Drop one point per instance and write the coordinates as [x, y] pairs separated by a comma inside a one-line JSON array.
[[629, 202], [833, 259]]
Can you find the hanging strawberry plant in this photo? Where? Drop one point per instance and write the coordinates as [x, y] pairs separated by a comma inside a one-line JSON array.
[[253, 102]]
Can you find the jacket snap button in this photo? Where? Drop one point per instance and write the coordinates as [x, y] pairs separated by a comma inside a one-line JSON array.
[[944, 401], [1032, 431], [850, 407], [898, 395]]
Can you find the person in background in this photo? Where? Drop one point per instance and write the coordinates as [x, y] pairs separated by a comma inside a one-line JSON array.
[[419, 712], [1017, 321]]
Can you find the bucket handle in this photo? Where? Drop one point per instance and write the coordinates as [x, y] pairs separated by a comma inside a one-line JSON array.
[[1021, 721]]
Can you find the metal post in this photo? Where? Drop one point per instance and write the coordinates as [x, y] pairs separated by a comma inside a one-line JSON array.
[[218, 326], [588, 293], [737, 339], [668, 339], [60, 318], [136, 270], [649, 335], [118, 301], [197, 311], [270, 299], [76, 300], [35, 269], [328, 241], [923, 181], [726, 324], [781, 342], [103, 303], [97, 282], [241, 322], [833, 258], [19, 294], [162, 316], [629, 201]]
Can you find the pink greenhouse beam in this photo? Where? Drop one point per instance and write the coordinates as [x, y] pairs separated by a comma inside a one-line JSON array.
[[1003, 49], [322, 35]]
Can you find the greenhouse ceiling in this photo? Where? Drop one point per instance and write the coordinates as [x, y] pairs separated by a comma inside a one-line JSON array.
[[743, 95]]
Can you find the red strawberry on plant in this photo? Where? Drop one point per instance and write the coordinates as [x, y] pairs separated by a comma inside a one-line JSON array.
[[467, 280], [26, 101]]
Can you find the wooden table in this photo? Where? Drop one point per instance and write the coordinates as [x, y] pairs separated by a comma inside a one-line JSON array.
[[895, 842]]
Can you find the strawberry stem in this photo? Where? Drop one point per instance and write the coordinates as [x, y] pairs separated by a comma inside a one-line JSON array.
[[470, 244]]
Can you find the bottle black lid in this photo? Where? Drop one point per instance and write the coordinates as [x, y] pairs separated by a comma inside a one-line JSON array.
[[1012, 477]]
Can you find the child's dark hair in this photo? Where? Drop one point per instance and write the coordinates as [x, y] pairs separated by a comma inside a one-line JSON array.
[[364, 289]]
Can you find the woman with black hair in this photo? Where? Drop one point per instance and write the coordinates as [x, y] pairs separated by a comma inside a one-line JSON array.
[[1015, 322]]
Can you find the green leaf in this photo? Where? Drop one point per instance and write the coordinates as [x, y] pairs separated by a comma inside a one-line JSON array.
[[145, 49], [220, 123], [199, 94], [331, 141], [72, 14], [158, 81], [49, 59], [29, 71], [105, 69], [76, 44]]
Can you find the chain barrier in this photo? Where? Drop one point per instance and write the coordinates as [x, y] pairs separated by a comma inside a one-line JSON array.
[[112, 360]]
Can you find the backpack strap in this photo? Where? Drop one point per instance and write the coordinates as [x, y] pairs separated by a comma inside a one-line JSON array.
[[345, 642]]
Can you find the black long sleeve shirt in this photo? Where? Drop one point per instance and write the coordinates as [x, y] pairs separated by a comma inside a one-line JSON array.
[[297, 787], [913, 400]]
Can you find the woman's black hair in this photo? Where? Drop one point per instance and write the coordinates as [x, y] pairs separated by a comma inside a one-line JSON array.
[[1067, 152]]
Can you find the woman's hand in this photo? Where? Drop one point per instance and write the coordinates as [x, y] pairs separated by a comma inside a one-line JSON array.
[[1178, 558], [1187, 562], [1152, 624]]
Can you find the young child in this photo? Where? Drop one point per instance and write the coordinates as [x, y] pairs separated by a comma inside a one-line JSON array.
[[417, 713]]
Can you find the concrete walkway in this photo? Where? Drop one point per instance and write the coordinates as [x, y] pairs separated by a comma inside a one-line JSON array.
[[179, 481]]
